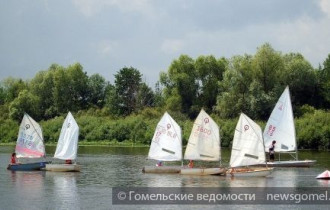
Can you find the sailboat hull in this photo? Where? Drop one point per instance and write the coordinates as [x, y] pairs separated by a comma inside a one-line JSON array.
[[290, 163], [203, 171], [63, 167], [162, 169], [27, 166], [250, 172]]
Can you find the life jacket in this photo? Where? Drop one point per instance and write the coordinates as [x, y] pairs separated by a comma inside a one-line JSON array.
[[191, 164], [68, 162], [13, 160]]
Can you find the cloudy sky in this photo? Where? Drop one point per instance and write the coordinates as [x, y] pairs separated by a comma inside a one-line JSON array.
[[107, 35]]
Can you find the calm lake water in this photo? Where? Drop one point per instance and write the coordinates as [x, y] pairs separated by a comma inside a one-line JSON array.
[[107, 167]]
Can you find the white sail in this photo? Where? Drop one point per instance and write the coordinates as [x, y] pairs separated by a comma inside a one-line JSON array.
[[248, 147], [204, 140], [280, 126], [30, 141], [67, 144], [166, 144]]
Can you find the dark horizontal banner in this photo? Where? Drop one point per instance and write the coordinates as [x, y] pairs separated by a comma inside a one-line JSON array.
[[222, 195]]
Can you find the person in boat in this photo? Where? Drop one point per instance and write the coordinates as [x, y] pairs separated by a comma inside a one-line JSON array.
[[159, 163], [191, 164], [13, 159], [68, 161], [272, 151]]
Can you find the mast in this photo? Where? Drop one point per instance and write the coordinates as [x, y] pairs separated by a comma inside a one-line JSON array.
[[295, 136]]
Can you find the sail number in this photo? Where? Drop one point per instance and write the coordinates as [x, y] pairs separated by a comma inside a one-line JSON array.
[[26, 140], [271, 130], [161, 131], [203, 130]]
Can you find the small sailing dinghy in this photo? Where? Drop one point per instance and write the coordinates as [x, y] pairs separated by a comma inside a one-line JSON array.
[[324, 175], [247, 150], [166, 145], [280, 127], [30, 145], [204, 145], [67, 146]]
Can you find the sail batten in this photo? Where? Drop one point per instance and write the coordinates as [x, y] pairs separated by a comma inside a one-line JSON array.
[[30, 142], [204, 140], [67, 144], [166, 144]]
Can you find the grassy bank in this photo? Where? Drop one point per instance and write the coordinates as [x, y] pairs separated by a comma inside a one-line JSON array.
[[312, 129]]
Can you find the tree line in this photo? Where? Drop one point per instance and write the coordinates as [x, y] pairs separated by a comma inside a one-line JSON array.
[[224, 87]]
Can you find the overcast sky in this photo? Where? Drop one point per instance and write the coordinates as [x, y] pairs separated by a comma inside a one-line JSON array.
[[107, 35]]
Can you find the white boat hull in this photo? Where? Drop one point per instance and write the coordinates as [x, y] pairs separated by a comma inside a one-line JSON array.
[[161, 169], [260, 172], [63, 167], [290, 163], [203, 171]]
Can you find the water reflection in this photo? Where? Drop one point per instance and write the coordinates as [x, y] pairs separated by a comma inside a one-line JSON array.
[[105, 167], [29, 189], [249, 181], [323, 183], [65, 190]]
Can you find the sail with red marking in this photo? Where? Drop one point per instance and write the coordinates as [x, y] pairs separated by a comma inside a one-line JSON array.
[[324, 175], [248, 145], [30, 141], [204, 140], [166, 144], [280, 126]]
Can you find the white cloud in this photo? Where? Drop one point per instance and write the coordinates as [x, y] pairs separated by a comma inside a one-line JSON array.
[[105, 47], [92, 7], [325, 7], [310, 37], [170, 46]]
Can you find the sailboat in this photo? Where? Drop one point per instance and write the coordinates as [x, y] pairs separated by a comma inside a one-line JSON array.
[[280, 127], [324, 175], [30, 145], [166, 145], [247, 149], [204, 145], [67, 146]]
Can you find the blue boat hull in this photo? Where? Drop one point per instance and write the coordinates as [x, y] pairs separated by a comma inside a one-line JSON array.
[[27, 166]]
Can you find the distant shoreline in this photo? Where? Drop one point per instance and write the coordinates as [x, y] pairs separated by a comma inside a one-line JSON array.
[[91, 143], [122, 144]]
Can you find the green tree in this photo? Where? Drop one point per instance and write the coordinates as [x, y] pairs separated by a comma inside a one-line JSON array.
[[324, 79], [181, 79], [2, 95], [235, 87], [111, 100], [267, 65], [61, 92], [209, 72], [70, 91], [127, 84], [301, 78], [25, 102], [78, 86], [145, 97], [158, 95], [42, 86], [12, 87], [97, 90]]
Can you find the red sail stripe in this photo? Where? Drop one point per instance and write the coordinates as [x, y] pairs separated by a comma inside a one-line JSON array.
[[29, 151]]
